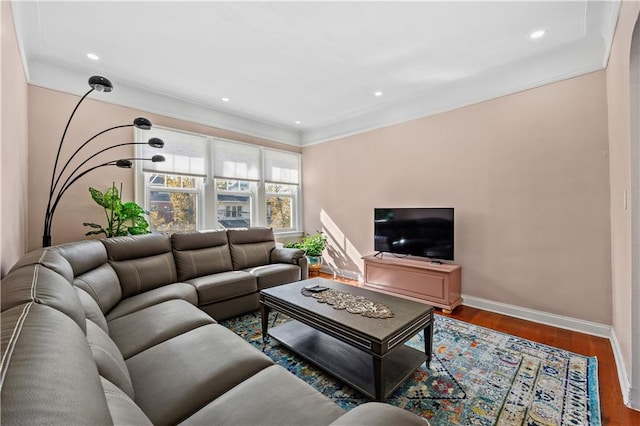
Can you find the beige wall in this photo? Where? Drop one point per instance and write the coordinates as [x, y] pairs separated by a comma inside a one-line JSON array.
[[618, 94], [527, 174], [14, 149], [48, 114]]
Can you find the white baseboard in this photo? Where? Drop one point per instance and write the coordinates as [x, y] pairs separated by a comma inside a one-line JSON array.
[[623, 378], [634, 399], [631, 397], [560, 321], [341, 273]]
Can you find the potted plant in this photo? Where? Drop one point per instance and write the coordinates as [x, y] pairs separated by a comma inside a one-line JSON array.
[[313, 246], [122, 218]]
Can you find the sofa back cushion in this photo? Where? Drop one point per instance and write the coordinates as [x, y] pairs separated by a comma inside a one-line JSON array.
[[108, 358], [200, 253], [91, 309], [142, 262], [83, 256], [35, 283], [48, 257], [103, 284], [250, 247], [92, 272], [49, 374], [122, 408]]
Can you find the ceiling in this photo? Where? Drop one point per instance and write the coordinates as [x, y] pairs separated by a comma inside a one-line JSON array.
[[306, 72]]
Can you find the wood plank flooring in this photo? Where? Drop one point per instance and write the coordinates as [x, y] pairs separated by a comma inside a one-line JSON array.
[[614, 412]]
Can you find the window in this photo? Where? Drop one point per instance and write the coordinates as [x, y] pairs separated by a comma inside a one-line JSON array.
[[280, 205], [208, 182], [173, 190], [234, 199], [282, 178], [173, 201]]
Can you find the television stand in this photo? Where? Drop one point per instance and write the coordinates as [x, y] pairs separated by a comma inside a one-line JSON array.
[[415, 279]]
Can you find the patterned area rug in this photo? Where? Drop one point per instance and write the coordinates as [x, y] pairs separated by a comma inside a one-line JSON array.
[[477, 377]]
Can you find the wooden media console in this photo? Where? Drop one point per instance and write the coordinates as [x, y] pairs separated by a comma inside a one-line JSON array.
[[416, 279]]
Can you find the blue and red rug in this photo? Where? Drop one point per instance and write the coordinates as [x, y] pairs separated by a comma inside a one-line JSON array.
[[477, 377]]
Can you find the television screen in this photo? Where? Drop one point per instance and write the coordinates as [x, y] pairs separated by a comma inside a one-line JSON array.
[[425, 232]]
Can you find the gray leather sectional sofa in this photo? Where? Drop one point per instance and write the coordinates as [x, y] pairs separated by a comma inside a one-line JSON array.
[[123, 331]]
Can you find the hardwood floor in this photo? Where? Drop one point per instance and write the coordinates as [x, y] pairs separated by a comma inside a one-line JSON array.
[[614, 412]]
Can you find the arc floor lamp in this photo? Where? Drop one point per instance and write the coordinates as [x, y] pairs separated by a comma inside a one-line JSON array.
[[59, 186]]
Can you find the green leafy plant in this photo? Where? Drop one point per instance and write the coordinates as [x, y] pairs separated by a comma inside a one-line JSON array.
[[122, 218], [313, 245]]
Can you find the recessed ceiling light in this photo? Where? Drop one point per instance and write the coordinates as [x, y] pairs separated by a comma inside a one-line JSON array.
[[537, 34], [378, 93], [93, 56], [298, 122], [225, 99]]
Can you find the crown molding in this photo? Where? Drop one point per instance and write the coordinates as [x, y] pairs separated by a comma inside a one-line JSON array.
[[516, 76], [586, 54], [62, 78]]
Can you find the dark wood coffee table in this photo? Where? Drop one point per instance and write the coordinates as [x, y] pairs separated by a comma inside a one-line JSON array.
[[367, 353]]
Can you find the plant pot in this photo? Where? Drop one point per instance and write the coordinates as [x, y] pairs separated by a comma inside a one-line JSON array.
[[315, 263]]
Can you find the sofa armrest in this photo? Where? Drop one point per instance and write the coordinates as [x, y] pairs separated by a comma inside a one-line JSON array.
[[292, 256], [303, 263], [379, 414], [286, 255]]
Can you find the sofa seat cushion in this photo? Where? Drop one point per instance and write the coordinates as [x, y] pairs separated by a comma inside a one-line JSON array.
[[148, 327], [175, 378], [223, 286], [379, 414], [182, 291], [275, 274], [276, 397]]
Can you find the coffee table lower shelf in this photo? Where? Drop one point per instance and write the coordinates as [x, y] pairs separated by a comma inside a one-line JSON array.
[[347, 363]]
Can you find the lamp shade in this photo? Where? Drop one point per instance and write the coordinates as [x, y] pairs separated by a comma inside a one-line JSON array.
[[142, 123], [156, 143], [100, 84]]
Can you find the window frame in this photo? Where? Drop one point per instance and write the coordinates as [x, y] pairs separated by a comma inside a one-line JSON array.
[[252, 194], [198, 190], [207, 192], [294, 205]]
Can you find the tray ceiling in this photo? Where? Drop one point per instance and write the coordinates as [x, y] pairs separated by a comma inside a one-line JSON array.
[[307, 72]]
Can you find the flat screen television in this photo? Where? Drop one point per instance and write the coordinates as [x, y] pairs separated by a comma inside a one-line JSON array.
[[425, 232]]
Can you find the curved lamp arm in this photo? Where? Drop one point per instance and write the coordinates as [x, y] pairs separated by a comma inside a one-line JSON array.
[[153, 142], [125, 163], [55, 164], [118, 163], [96, 82], [140, 123]]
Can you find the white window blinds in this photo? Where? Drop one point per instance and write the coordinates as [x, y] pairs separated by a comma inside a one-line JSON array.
[[281, 167], [185, 153], [236, 161]]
